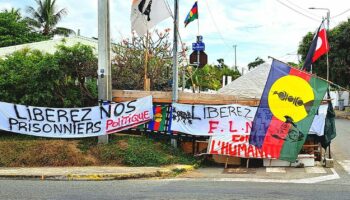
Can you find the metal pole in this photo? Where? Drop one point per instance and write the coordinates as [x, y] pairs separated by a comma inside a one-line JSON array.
[[175, 61], [328, 15], [183, 78], [175, 96], [104, 57]]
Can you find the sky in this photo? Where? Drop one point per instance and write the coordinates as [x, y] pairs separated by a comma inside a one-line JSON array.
[[258, 28]]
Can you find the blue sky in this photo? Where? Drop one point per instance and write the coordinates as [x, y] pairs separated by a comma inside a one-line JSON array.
[[258, 27]]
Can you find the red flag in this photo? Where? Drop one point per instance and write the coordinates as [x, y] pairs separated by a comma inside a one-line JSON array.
[[319, 46], [322, 43]]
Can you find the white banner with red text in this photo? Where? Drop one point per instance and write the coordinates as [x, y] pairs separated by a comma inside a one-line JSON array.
[[236, 145], [75, 122]]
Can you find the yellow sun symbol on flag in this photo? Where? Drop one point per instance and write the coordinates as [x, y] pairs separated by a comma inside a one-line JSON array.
[[290, 96], [158, 117]]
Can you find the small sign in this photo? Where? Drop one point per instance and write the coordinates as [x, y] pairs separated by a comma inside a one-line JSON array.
[[199, 39], [198, 46], [203, 58]]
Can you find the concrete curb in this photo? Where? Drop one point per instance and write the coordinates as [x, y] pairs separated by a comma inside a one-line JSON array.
[[170, 171]]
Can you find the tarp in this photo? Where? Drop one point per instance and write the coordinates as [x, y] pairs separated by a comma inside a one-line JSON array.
[[250, 85]]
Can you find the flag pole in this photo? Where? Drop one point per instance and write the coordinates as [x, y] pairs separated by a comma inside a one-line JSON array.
[[311, 69], [328, 15], [197, 20]]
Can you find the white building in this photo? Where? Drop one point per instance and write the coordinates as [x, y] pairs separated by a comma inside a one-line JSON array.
[[50, 46]]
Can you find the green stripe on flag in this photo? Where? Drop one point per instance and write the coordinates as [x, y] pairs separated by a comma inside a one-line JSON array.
[[162, 123]]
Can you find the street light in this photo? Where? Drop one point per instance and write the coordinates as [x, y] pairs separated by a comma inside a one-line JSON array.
[[328, 16], [328, 13]]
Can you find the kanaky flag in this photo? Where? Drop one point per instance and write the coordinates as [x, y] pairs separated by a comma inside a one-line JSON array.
[[192, 15], [319, 46], [287, 108], [159, 121], [147, 13]]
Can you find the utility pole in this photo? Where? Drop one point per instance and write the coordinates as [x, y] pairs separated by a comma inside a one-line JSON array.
[[104, 57], [175, 61], [175, 95]]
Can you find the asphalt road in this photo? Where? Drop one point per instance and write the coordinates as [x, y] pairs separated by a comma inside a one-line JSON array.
[[168, 189], [340, 146], [189, 188]]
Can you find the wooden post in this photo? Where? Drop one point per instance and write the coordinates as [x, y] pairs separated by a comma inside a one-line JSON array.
[[147, 81]]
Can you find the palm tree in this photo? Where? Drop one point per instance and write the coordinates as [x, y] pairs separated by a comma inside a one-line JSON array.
[[45, 18], [12, 11]]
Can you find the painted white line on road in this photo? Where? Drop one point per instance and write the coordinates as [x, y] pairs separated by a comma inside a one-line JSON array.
[[262, 180], [346, 165], [275, 169]]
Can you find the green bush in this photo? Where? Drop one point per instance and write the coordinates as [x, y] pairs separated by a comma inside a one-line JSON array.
[[65, 79]]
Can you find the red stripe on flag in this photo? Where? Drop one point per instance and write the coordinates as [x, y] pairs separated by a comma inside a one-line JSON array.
[[194, 10], [274, 139], [156, 119], [301, 74]]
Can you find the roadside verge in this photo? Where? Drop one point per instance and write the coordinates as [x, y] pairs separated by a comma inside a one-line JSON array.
[[92, 173]]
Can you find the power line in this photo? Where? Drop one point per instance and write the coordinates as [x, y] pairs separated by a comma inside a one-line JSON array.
[[297, 11], [224, 41], [216, 26], [341, 13], [305, 10]]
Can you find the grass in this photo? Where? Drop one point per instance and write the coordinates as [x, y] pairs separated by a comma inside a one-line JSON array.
[[18, 150]]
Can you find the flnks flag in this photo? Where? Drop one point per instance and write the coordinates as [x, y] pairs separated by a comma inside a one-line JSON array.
[[287, 108], [159, 121], [192, 15], [319, 46], [147, 13]]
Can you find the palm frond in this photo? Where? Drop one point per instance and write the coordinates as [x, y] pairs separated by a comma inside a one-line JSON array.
[[63, 31]]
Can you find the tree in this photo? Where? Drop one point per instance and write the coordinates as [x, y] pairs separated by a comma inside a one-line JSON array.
[[64, 79], [210, 76], [129, 62], [14, 30], [258, 61], [339, 59], [13, 11], [45, 18]]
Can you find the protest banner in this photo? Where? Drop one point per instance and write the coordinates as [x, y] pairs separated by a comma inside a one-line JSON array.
[[129, 114], [74, 122], [207, 120], [236, 145]]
